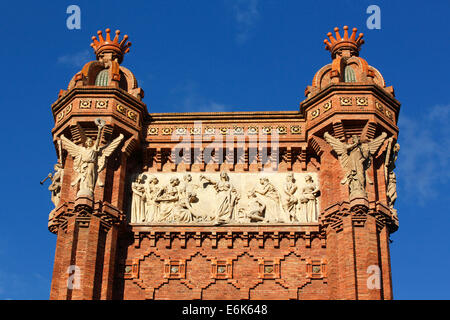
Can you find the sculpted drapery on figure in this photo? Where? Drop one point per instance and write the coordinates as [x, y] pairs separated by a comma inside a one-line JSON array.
[[143, 205], [269, 195], [90, 160], [228, 198], [280, 199], [391, 179], [256, 209], [137, 201], [291, 201], [151, 207], [55, 186], [56, 178], [168, 198], [188, 197], [308, 204], [355, 159]]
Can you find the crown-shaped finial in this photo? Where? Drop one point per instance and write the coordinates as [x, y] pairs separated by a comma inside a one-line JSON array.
[[352, 43], [102, 44]]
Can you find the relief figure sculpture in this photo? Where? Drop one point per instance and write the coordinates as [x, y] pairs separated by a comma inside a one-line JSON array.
[[308, 201], [391, 179], [184, 211], [228, 198], [256, 209], [137, 199], [355, 159], [55, 186], [188, 196], [290, 204], [151, 207], [267, 192], [56, 178], [191, 198], [168, 198], [90, 160]]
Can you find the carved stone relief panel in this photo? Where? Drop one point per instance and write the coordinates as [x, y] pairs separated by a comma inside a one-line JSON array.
[[218, 198]]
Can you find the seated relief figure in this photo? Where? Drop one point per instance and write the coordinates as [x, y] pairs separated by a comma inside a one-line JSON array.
[[255, 212], [188, 195], [170, 209], [269, 195]]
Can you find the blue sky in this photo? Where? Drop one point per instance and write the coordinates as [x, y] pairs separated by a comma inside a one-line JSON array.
[[225, 55]]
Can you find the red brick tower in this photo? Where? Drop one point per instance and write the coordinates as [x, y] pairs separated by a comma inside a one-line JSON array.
[[229, 205], [349, 97], [88, 225]]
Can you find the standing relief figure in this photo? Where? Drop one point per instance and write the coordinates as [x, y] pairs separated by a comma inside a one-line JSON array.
[[151, 207], [56, 178], [55, 186], [355, 159], [137, 200], [228, 198], [308, 201], [90, 160], [391, 179], [291, 201]]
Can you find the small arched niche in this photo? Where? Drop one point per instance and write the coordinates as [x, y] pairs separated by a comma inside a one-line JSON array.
[[102, 78], [349, 74]]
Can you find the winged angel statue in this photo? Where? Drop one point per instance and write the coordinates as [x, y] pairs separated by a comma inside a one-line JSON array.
[[355, 159], [90, 160]]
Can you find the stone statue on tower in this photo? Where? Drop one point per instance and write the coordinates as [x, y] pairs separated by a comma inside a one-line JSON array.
[[355, 159], [89, 160]]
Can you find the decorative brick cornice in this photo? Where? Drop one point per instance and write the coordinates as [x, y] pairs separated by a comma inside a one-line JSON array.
[[84, 209], [353, 88], [359, 209], [218, 117], [167, 233], [98, 92]]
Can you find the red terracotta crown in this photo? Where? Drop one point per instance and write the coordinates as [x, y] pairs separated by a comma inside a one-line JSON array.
[[344, 42], [107, 44]]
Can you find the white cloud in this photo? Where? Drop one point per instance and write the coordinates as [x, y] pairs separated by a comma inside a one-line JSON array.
[[424, 158], [246, 14], [77, 59]]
